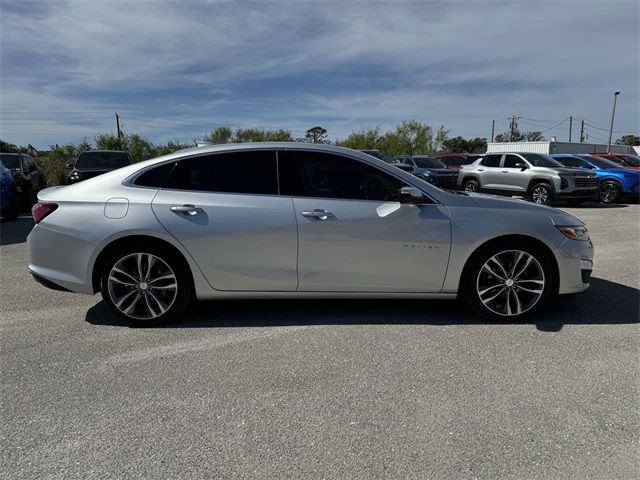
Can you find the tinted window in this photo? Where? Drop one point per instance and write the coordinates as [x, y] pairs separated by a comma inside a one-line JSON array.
[[602, 162], [155, 177], [102, 160], [10, 160], [571, 162], [317, 174], [237, 172], [630, 159], [424, 162], [510, 161], [492, 160], [540, 160], [451, 160]]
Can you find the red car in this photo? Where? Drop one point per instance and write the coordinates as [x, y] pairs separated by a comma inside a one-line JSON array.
[[624, 160], [455, 161]]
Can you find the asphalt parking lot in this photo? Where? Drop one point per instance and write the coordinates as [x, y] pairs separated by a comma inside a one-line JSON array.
[[325, 389]]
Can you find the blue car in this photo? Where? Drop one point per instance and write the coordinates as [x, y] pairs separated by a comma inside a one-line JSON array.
[[8, 201], [616, 182]]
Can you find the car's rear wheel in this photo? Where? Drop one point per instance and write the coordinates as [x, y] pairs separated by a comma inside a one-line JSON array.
[[609, 192], [541, 193], [145, 285], [505, 283], [471, 185]]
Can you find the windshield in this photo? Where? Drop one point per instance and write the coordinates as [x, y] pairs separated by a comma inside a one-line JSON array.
[[385, 157], [630, 159], [602, 162], [428, 163], [103, 160], [539, 160], [10, 160]]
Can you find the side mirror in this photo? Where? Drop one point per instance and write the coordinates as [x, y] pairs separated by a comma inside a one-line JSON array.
[[412, 195], [521, 166]]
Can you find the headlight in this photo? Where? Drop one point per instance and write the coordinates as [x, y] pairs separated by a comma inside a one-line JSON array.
[[574, 233]]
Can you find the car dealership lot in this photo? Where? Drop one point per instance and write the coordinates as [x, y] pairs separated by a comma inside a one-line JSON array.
[[318, 388]]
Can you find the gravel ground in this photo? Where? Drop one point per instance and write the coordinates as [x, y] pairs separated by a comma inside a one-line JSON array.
[[325, 389]]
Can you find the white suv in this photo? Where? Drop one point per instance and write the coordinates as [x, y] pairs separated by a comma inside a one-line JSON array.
[[533, 175]]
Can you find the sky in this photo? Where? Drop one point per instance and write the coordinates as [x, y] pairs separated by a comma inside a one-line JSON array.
[[175, 70]]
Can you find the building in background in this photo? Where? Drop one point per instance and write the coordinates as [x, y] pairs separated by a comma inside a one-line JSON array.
[[549, 147]]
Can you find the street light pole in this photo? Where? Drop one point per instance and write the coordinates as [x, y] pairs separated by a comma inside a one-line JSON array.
[[613, 114]]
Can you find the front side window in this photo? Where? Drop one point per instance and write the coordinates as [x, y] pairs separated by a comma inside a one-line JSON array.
[[249, 172], [324, 175], [510, 161], [492, 160]]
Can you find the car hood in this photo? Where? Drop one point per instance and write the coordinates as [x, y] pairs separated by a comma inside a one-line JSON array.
[[574, 172], [558, 217]]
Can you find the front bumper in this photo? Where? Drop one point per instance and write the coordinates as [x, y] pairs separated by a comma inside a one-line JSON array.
[[588, 194], [575, 264]]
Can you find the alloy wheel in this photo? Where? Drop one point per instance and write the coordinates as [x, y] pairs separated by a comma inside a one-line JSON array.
[[608, 193], [470, 187], [540, 195], [510, 283], [142, 286]]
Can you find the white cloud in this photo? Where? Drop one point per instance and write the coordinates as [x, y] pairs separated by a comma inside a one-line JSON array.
[[460, 63]]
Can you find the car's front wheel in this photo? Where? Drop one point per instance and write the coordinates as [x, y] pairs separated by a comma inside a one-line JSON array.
[[471, 185], [541, 193], [145, 285], [505, 282]]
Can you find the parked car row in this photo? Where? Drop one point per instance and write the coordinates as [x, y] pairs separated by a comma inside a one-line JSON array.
[[543, 179]]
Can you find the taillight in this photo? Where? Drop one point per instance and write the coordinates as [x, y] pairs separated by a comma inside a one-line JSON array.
[[41, 210]]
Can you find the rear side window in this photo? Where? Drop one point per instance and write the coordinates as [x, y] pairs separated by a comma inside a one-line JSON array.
[[318, 174], [252, 172], [492, 161], [155, 177]]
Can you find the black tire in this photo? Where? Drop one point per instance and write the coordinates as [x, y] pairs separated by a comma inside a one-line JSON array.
[[541, 193], [471, 185], [474, 275], [609, 192], [163, 257]]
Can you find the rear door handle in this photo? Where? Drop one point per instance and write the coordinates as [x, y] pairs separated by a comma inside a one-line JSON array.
[[505, 171], [319, 214], [186, 209]]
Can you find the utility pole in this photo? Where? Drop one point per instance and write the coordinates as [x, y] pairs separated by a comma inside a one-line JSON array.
[[613, 114], [570, 127], [513, 125], [493, 129], [582, 131], [118, 126]]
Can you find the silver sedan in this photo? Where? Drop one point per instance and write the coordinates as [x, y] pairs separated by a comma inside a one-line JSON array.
[[298, 221]]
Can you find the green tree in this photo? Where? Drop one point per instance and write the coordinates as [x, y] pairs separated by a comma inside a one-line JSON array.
[[6, 147], [519, 137], [361, 140], [220, 135], [316, 135], [632, 140], [170, 147]]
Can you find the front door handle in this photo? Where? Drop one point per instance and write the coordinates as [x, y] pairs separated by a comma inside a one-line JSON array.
[[505, 171], [319, 214], [186, 209], [481, 169]]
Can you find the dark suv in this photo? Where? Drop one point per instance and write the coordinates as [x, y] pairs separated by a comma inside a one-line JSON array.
[[96, 162], [27, 176]]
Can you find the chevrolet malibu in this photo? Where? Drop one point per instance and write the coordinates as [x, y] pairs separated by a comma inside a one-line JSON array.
[[299, 221]]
